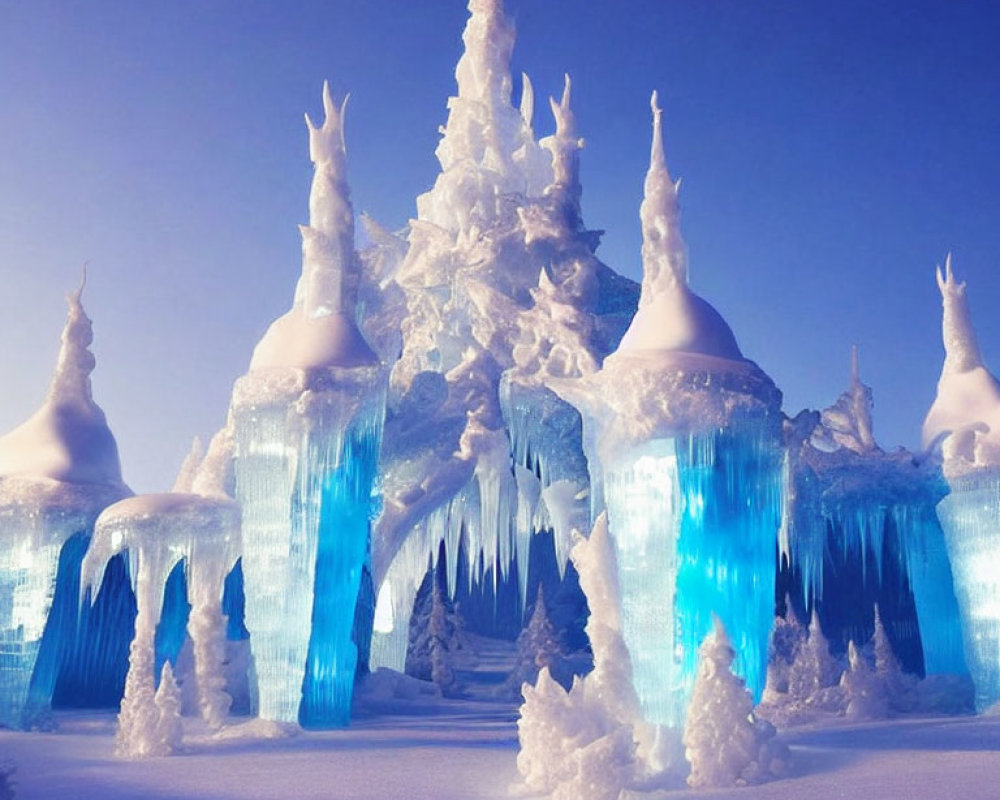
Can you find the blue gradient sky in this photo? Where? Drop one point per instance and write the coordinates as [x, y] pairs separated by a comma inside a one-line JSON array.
[[832, 152]]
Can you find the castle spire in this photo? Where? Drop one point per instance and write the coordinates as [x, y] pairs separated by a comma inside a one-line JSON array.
[[960, 345], [664, 255], [330, 265], [565, 146], [71, 380]]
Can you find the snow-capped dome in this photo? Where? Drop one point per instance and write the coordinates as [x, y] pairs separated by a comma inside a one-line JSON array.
[[671, 318], [68, 438], [295, 340], [965, 415], [320, 329]]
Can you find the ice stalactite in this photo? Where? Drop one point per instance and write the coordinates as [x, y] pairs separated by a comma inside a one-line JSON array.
[[683, 444], [58, 470], [861, 520], [307, 424]]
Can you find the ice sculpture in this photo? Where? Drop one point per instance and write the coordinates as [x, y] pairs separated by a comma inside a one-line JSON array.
[[860, 529], [307, 420], [683, 437], [57, 471], [964, 421], [158, 531], [501, 292]]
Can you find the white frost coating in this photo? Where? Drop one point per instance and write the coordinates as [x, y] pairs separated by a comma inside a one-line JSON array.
[[68, 438], [848, 422], [158, 531], [671, 318], [965, 415], [591, 741], [321, 330], [725, 744]]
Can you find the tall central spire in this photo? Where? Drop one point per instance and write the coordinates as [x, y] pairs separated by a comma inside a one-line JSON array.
[[71, 380], [664, 255]]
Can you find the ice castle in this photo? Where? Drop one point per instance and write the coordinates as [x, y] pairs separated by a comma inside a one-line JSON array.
[[460, 391]]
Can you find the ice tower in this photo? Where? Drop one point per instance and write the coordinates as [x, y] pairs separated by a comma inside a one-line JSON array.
[[307, 420], [964, 421], [683, 437], [58, 470], [860, 530], [502, 292]]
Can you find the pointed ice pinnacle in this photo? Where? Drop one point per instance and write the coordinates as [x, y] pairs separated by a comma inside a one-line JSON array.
[[71, 381], [565, 146], [861, 403], [960, 346], [527, 107], [664, 256]]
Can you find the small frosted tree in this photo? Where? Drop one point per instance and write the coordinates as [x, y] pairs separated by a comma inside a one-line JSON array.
[[538, 646], [169, 728], [434, 639], [899, 689], [864, 691], [787, 637], [723, 742], [814, 669]]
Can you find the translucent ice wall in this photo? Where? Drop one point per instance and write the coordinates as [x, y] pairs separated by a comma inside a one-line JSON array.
[[970, 516], [860, 530], [306, 494]]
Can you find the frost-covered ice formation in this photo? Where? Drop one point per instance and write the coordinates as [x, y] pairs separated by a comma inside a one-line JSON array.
[[860, 523], [307, 423], [592, 741], [199, 525], [58, 470], [724, 742], [498, 293], [683, 439], [964, 421]]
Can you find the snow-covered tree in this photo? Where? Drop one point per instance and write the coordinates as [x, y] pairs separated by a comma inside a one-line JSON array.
[[863, 688], [900, 690], [435, 635], [814, 669], [169, 728], [538, 646], [724, 743], [787, 638]]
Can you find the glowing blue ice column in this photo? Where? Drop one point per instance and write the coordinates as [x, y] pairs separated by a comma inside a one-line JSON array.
[[925, 554], [643, 499], [970, 517], [731, 487]]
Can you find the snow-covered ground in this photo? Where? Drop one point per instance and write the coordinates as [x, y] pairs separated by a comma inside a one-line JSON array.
[[426, 746]]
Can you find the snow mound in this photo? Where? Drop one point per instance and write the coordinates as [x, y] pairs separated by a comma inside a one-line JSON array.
[[297, 341]]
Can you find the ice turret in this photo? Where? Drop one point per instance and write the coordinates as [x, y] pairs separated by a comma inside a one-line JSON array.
[[57, 471], [965, 416], [683, 444], [306, 426], [965, 421]]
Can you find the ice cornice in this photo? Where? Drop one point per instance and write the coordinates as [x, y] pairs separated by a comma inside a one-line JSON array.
[[664, 256], [960, 345]]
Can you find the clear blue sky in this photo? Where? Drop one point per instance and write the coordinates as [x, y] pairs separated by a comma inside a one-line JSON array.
[[832, 152]]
